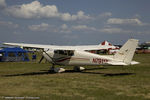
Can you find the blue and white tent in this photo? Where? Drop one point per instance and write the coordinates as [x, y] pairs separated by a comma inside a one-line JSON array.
[[13, 55]]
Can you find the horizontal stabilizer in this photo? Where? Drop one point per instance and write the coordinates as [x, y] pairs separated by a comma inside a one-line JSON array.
[[134, 62], [117, 63]]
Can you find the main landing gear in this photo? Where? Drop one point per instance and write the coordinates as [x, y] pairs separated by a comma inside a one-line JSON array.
[[60, 70], [56, 70], [78, 68]]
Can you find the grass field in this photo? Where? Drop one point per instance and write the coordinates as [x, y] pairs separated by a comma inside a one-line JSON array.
[[30, 79]]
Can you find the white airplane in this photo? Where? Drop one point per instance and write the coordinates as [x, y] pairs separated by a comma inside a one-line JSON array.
[[77, 56]]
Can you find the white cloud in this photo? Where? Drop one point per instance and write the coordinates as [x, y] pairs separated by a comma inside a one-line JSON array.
[[111, 30], [80, 27], [61, 29], [69, 29], [33, 10], [64, 26], [2, 4], [40, 27], [83, 27], [64, 29], [66, 17], [124, 21], [50, 28], [36, 10], [105, 14], [79, 16], [114, 30], [8, 24]]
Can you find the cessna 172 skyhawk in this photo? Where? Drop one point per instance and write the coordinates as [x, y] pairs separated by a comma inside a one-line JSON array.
[[77, 56]]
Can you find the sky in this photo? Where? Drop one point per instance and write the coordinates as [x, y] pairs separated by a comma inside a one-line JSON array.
[[74, 22]]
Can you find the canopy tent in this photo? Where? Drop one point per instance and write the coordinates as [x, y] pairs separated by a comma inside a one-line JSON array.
[[13, 55]]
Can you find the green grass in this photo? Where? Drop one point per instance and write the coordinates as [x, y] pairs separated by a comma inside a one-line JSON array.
[[30, 79]]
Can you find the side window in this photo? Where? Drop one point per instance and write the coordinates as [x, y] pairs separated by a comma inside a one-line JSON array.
[[61, 52], [56, 52], [64, 52], [70, 53]]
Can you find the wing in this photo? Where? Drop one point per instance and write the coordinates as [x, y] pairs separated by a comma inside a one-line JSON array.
[[26, 45], [94, 47], [56, 47]]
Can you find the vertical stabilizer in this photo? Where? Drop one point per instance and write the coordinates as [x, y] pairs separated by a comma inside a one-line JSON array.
[[126, 52]]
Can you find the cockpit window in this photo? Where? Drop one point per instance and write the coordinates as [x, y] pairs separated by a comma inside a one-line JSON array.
[[64, 52], [70, 53]]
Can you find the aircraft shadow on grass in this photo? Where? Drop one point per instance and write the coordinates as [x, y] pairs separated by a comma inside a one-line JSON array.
[[44, 72]]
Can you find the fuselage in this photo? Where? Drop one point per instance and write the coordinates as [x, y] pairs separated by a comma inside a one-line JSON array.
[[78, 58]]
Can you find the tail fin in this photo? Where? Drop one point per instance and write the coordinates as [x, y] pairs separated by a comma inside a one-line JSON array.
[[126, 52]]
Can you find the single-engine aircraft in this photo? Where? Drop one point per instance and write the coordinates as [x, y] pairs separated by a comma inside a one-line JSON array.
[[78, 56]]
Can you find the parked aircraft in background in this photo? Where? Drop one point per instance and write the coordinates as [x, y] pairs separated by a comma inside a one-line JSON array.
[[78, 56], [109, 48], [109, 45]]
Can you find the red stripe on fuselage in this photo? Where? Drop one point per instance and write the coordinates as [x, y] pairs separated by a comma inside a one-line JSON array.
[[73, 58]]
